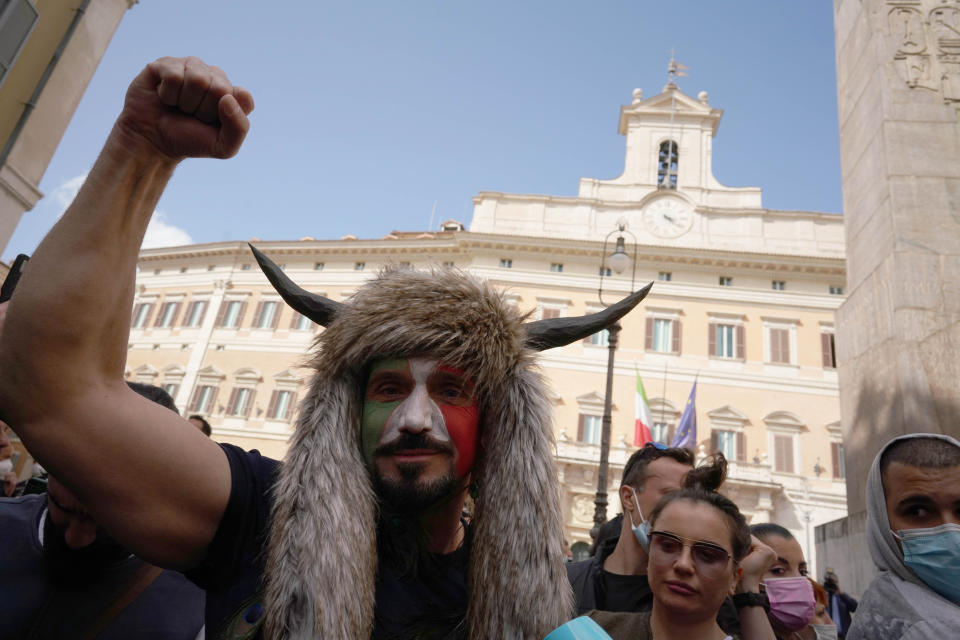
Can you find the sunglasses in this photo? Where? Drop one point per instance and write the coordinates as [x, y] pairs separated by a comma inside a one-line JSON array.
[[708, 558]]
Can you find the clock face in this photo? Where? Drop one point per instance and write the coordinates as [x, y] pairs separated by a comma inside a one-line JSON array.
[[668, 217]]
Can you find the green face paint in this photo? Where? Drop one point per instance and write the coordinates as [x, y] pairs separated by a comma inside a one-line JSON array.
[[376, 414]]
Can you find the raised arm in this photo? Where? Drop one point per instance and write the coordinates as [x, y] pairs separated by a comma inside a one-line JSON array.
[[146, 475]]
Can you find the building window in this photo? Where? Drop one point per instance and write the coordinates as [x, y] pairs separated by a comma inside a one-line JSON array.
[[241, 402], [783, 453], [599, 339], [171, 388], [168, 312], [318, 266], [726, 340], [141, 314], [211, 267], [605, 271], [281, 405], [828, 350], [448, 265], [196, 311], [267, 314], [556, 267], [836, 456], [506, 263], [726, 281], [183, 269], [660, 432], [301, 322], [17, 19], [667, 163], [204, 398], [730, 443], [549, 312], [836, 290], [663, 335], [231, 314], [588, 429], [245, 266], [157, 272], [359, 266], [778, 285], [664, 276], [779, 345]]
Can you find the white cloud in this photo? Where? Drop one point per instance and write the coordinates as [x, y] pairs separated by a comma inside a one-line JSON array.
[[159, 232]]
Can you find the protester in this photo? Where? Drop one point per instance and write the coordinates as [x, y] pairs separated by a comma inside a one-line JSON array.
[[913, 531], [839, 604], [697, 540], [201, 423], [790, 593], [65, 578], [425, 385]]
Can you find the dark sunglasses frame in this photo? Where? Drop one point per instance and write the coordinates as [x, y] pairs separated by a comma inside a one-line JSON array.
[[694, 546]]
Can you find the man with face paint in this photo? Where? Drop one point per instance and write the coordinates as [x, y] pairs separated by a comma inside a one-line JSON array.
[[913, 531], [424, 382]]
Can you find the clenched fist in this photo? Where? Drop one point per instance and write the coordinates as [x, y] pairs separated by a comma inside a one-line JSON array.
[[185, 108]]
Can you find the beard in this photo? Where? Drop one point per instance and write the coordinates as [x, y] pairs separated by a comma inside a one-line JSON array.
[[410, 496], [64, 565]]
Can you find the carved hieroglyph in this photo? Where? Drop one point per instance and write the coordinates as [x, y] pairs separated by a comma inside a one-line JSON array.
[[925, 38]]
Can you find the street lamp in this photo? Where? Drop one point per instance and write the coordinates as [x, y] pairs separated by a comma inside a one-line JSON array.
[[618, 261]]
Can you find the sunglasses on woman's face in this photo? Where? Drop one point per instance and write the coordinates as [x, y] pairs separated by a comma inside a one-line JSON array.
[[708, 558]]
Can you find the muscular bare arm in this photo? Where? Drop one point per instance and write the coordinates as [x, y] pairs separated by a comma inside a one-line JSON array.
[[146, 475]]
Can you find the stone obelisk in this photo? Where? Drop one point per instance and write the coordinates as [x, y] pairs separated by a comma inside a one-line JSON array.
[[898, 332]]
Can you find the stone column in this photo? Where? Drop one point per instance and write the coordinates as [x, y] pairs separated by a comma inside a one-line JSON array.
[[898, 332]]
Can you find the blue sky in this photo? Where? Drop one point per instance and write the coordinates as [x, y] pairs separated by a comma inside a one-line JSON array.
[[369, 112]]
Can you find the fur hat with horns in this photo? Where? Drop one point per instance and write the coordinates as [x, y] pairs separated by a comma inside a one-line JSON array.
[[517, 582]]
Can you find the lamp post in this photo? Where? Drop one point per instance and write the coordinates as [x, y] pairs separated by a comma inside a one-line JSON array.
[[618, 261]]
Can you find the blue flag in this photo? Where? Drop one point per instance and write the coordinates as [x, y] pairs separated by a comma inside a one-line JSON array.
[[686, 435]]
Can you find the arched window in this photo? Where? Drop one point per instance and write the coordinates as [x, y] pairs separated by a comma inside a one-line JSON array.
[[667, 161]]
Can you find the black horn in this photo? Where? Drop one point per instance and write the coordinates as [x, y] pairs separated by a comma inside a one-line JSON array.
[[557, 332], [318, 308]]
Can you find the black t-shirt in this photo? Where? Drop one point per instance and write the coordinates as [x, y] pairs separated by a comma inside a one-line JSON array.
[[433, 605], [623, 593]]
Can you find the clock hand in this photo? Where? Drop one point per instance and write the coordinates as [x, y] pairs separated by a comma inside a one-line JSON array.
[[666, 216]]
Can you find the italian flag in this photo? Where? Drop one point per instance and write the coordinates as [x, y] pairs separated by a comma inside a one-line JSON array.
[[641, 429]]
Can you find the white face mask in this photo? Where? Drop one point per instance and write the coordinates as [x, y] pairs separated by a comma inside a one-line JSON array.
[[640, 531], [5, 467], [825, 631]]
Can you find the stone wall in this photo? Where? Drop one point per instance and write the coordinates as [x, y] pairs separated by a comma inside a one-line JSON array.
[[842, 546]]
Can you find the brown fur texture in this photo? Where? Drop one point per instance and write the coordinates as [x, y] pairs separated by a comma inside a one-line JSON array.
[[317, 588]]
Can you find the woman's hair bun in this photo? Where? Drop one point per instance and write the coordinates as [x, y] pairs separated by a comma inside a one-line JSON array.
[[709, 476]]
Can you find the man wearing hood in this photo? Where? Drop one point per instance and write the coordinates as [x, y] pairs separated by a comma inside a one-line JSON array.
[[913, 529], [424, 386]]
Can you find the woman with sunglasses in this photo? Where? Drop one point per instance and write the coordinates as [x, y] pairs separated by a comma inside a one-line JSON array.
[[697, 540]]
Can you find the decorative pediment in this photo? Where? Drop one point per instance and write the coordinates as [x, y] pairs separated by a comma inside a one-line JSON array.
[[785, 420], [174, 370], [728, 415], [835, 429], [248, 374], [145, 369], [211, 372], [287, 375], [593, 401]]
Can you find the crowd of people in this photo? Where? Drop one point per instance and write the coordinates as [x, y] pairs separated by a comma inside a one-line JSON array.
[[425, 392]]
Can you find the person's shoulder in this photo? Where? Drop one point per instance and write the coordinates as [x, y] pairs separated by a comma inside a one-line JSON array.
[[883, 612], [252, 461], [623, 624], [578, 569], [24, 504]]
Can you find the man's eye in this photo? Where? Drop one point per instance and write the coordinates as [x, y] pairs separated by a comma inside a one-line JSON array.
[[918, 511]]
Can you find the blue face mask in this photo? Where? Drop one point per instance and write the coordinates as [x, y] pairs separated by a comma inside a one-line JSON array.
[[640, 531], [934, 555]]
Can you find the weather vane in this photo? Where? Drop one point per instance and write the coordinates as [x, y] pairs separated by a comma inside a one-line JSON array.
[[675, 70]]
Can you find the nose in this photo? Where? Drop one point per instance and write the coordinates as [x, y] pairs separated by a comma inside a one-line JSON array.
[[418, 414], [684, 561]]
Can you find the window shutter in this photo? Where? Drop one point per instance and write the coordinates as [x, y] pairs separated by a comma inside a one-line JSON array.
[[778, 453], [835, 458], [677, 331], [175, 314], [213, 399], [712, 338], [147, 314], [192, 406], [290, 405], [295, 319], [232, 402], [190, 307], [670, 433], [826, 350], [550, 313], [785, 345], [277, 308], [714, 442], [788, 448], [250, 399], [581, 423], [221, 312], [741, 347], [257, 316], [156, 321], [243, 309], [741, 446], [272, 408], [649, 340]]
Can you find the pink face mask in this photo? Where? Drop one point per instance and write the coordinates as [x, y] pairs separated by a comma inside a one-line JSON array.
[[791, 602]]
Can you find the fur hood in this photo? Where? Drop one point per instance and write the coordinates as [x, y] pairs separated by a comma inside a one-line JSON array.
[[517, 581]]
